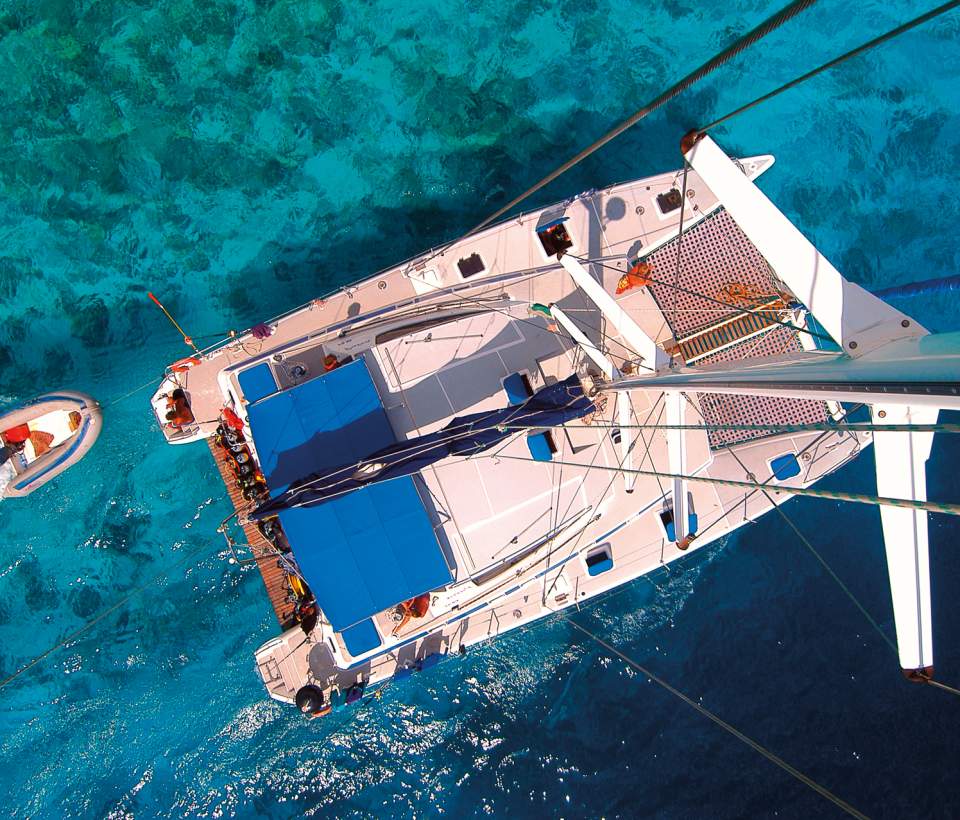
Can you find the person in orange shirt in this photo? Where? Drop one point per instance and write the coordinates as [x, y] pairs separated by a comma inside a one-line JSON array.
[[179, 412]]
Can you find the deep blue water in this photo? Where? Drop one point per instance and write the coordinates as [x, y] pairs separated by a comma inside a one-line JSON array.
[[238, 158]]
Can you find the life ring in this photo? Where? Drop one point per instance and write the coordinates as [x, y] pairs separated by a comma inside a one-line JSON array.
[[183, 365], [232, 419]]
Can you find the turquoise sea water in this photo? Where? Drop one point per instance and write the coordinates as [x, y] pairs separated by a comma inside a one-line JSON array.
[[239, 158]]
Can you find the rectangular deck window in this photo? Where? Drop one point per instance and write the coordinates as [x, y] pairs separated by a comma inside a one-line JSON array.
[[471, 266], [599, 560]]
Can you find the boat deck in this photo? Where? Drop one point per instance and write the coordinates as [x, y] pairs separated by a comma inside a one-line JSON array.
[[525, 532], [274, 578]]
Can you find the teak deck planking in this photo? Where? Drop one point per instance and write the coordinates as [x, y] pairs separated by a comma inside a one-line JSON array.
[[274, 578]]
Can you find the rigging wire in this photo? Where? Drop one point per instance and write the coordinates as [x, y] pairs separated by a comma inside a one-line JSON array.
[[823, 562], [740, 44], [606, 489], [834, 427], [806, 542], [100, 616], [923, 18], [833, 495], [757, 747]]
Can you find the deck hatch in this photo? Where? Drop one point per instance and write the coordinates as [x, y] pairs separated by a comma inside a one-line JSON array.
[[471, 265]]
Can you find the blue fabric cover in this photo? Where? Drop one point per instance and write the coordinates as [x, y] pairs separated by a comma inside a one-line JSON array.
[[785, 466], [257, 382], [362, 637], [366, 550], [463, 436], [515, 389], [539, 447]]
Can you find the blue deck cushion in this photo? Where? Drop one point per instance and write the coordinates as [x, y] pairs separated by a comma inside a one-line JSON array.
[[364, 551], [599, 561], [362, 637], [257, 382], [515, 389], [692, 524], [785, 466], [600, 566], [539, 447]]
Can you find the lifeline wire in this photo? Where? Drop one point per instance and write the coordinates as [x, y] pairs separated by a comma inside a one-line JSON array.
[[833, 495], [778, 761], [828, 427]]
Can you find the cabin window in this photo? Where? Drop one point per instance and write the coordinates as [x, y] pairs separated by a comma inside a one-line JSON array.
[[670, 201], [471, 265], [785, 466], [599, 560], [555, 239]]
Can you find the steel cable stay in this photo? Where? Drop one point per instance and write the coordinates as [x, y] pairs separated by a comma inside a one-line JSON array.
[[566, 512], [753, 36], [727, 727], [806, 542], [832, 495], [742, 43], [823, 562], [769, 25], [923, 18], [646, 455]]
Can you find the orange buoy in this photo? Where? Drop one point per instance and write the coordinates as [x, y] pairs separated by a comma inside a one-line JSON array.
[[636, 277], [330, 362], [183, 365], [231, 418]]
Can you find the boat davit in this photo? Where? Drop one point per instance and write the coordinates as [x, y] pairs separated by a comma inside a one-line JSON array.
[[43, 438]]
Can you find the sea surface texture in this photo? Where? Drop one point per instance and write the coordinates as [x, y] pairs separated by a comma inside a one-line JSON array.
[[239, 158]]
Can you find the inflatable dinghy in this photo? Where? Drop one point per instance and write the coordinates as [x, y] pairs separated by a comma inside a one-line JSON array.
[[45, 437]]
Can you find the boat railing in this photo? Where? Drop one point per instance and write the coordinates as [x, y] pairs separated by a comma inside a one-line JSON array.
[[408, 264], [417, 302]]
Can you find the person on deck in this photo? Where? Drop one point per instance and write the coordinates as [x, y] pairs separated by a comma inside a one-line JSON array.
[[179, 412]]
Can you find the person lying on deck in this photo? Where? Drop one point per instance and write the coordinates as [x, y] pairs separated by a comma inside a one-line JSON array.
[[179, 412]]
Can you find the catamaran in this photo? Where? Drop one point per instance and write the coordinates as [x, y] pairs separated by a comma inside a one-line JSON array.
[[515, 423]]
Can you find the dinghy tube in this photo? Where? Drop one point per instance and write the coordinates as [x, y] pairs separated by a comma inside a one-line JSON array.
[[71, 447]]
